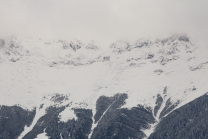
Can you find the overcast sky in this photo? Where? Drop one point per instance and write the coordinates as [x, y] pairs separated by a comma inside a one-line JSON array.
[[103, 20]]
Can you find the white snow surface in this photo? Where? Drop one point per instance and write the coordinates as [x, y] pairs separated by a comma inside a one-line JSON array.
[[42, 136], [32, 69], [67, 114]]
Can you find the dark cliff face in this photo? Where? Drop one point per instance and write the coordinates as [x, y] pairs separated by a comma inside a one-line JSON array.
[[55, 129], [187, 122], [120, 123], [113, 121], [13, 120]]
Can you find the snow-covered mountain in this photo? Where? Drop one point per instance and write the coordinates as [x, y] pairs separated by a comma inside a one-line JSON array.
[[77, 89]]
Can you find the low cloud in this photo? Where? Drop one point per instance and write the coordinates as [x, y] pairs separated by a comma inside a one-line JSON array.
[[105, 21]]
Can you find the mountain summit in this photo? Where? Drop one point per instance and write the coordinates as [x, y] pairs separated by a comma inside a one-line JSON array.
[[70, 89]]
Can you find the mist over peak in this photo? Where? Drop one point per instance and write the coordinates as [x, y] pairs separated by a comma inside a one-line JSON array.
[[103, 21]]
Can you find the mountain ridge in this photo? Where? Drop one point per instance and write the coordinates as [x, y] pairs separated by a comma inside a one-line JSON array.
[[158, 76]]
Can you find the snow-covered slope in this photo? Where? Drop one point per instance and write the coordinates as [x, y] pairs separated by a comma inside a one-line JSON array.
[[33, 70]]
